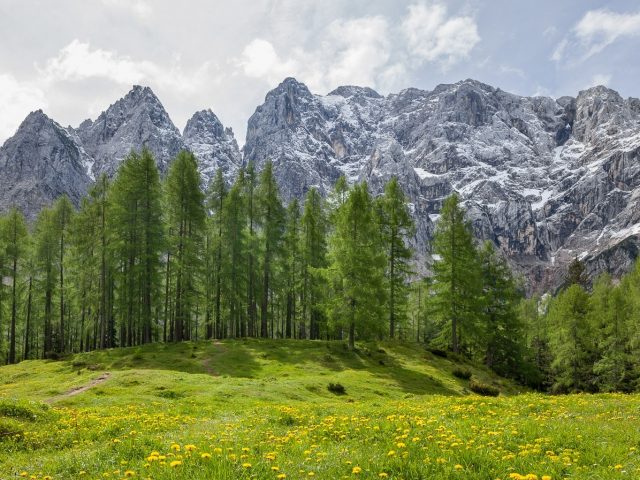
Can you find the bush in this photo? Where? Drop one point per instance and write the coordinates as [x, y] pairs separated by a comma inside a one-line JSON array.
[[439, 353], [483, 389], [22, 410], [461, 373], [10, 429], [337, 388]]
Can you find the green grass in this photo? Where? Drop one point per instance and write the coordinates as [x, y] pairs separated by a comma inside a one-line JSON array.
[[266, 405]]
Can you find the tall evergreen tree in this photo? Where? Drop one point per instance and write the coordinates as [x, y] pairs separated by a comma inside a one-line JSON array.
[[213, 273], [234, 239], [358, 261], [272, 222], [571, 341], [137, 241], [292, 266], [46, 253], [397, 226], [252, 215], [314, 258], [457, 283], [186, 218], [63, 213], [503, 331], [14, 231]]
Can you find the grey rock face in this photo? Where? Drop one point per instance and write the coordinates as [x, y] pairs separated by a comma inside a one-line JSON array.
[[544, 179], [43, 160], [213, 145], [40, 163], [135, 121]]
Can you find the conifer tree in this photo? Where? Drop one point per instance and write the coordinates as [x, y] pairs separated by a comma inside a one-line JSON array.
[[46, 252], [397, 226], [272, 221], [358, 261], [215, 203], [457, 282], [503, 331], [253, 245], [314, 259], [234, 256], [14, 231], [185, 218], [137, 241], [571, 341], [292, 266], [63, 214]]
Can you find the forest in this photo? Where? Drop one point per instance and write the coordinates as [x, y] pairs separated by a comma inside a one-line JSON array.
[[149, 259]]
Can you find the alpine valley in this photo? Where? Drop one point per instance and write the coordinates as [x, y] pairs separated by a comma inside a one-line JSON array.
[[547, 180]]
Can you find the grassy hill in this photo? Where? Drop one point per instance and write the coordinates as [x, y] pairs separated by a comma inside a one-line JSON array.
[[263, 409]]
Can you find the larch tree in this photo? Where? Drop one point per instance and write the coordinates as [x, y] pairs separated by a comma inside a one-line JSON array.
[[397, 227], [314, 229], [357, 267], [457, 283], [14, 231], [272, 222], [186, 221]]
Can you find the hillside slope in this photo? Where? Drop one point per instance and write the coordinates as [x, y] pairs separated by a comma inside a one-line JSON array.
[[238, 371], [261, 410]]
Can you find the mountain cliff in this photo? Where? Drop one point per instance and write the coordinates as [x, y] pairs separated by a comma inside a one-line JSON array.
[[546, 179]]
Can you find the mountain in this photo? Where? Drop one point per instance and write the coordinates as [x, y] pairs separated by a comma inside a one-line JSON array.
[[546, 179], [41, 162], [213, 145], [136, 120]]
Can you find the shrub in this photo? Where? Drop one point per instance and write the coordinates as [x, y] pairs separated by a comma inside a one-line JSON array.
[[461, 373], [483, 389], [337, 388], [438, 353], [22, 410], [9, 428]]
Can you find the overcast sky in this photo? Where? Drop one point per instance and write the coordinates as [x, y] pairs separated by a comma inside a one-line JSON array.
[[73, 58]]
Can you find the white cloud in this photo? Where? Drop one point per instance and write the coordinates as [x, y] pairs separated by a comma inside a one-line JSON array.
[[366, 50], [353, 51], [79, 61], [595, 31], [17, 99], [600, 79], [140, 8], [509, 70], [259, 59], [433, 36], [558, 52], [600, 28]]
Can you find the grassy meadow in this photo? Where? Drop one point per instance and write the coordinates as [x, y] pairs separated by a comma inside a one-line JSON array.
[[262, 409]]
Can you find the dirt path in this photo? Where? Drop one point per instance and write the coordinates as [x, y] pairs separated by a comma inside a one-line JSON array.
[[206, 363], [77, 390]]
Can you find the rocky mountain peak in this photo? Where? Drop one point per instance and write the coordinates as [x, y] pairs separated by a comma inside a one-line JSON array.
[[137, 120], [347, 91], [213, 145], [204, 125], [41, 162]]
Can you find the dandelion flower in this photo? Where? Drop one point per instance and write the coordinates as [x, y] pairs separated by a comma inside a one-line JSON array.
[[175, 463], [205, 456], [356, 470]]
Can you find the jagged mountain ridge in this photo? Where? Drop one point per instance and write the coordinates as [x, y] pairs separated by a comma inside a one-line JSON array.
[[44, 160], [545, 179]]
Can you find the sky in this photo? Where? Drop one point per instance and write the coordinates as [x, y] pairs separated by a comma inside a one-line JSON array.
[[73, 58]]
